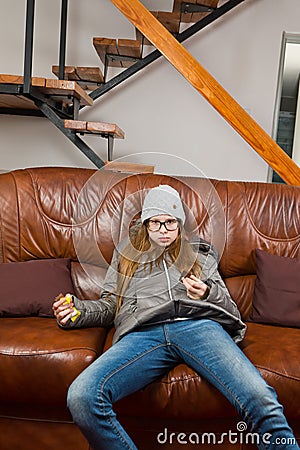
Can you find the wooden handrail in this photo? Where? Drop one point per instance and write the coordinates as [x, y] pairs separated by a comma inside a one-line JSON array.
[[210, 89]]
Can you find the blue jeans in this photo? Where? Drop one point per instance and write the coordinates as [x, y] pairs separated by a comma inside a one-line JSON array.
[[144, 355]]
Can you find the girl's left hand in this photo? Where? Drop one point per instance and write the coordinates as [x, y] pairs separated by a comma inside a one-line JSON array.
[[196, 289]]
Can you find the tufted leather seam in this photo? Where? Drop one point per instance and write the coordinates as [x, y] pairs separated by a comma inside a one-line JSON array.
[[197, 377], [226, 208], [39, 206], [211, 193], [1, 240], [295, 250], [278, 373], [181, 379], [26, 419], [49, 219], [260, 233], [128, 180], [42, 353], [122, 210], [18, 213]]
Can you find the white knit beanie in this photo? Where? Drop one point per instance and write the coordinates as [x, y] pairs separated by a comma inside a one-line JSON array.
[[163, 199]]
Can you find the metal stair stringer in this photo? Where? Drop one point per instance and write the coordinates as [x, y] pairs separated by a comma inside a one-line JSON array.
[[80, 144]]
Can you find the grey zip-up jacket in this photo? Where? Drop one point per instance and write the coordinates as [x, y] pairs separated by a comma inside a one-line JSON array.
[[159, 296]]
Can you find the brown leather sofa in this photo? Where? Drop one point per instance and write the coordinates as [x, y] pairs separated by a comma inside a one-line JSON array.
[[81, 214]]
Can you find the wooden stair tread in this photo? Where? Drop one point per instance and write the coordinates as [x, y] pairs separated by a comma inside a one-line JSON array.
[[194, 17], [86, 76], [126, 167], [18, 79], [127, 51], [8, 101], [102, 128], [170, 20], [62, 90]]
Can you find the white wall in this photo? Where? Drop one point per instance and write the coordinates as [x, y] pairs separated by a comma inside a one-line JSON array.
[[296, 143], [159, 111]]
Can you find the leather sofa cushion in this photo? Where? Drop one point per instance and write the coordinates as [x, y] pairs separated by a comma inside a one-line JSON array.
[[274, 350], [35, 375]]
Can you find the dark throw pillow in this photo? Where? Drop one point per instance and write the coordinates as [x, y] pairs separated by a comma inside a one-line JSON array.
[[276, 298], [29, 288]]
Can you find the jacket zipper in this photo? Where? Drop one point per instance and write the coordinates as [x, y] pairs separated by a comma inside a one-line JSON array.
[[176, 305]]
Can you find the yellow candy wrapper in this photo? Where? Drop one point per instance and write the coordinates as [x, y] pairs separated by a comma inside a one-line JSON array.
[[76, 313]]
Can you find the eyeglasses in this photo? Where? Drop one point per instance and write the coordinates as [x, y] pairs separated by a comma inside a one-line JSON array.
[[155, 225]]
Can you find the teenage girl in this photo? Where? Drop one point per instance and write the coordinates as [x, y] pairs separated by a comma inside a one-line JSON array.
[[169, 305]]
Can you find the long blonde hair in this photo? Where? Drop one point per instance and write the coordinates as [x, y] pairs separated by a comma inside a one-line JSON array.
[[180, 252]]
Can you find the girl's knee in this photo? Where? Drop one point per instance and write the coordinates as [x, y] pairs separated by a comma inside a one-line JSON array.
[[84, 396], [79, 397], [74, 396]]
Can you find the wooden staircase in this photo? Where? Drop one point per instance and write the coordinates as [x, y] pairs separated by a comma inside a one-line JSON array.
[[57, 99], [109, 131], [61, 100], [123, 53], [66, 92]]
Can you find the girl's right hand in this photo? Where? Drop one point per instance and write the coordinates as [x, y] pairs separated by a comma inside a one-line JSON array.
[[62, 310]]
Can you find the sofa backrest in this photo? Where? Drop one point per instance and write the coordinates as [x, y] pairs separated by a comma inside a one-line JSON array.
[[82, 214]]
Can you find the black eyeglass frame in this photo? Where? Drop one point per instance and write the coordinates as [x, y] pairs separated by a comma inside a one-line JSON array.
[[162, 223]]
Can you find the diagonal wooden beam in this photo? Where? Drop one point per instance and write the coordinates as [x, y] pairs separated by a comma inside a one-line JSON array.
[[210, 89]]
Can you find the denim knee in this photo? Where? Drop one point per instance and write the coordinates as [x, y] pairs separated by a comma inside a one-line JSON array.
[[87, 396], [79, 399]]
